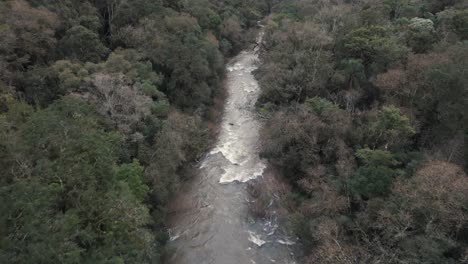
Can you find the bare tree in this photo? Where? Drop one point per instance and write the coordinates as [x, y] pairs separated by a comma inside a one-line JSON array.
[[120, 101], [440, 189]]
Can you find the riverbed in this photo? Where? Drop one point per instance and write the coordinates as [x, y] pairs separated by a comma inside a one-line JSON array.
[[209, 219]]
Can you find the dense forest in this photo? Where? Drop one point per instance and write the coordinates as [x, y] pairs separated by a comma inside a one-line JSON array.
[[102, 105], [365, 105], [105, 103]]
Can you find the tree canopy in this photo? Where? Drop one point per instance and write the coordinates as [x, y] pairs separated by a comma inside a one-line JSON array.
[[364, 104], [102, 105]]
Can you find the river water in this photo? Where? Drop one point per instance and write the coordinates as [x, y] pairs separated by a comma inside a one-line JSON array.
[[209, 219]]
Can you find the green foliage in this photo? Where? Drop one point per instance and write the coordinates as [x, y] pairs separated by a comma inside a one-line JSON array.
[[354, 68], [372, 181], [460, 23], [29, 33], [286, 136], [72, 13], [232, 40], [288, 11], [85, 126], [192, 64], [375, 157], [353, 136], [320, 105], [363, 42], [82, 44], [18, 112], [421, 35], [225, 46], [206, 16], [132, 175], [391, 119], [296, 67], [70, 194], [129, 13], [181, 139], [151, 90], [298, 140], [91, 22], [41, 85], [160, 108], [449, 115], [374, 45], [137, 70], [104, 83], [400, 8], [72, 76], [390, 128]]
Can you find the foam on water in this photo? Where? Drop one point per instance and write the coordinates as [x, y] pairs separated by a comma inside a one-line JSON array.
[[256, 239], [238, 139], [209, 221], [286, 242]]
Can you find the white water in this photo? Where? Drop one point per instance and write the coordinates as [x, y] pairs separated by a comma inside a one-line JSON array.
[[209, 220], [238, 139]]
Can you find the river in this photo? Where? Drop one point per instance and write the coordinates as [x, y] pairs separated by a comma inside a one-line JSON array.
[[209, 219]]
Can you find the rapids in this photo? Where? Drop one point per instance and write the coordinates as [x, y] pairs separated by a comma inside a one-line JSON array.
[[209, 219]]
